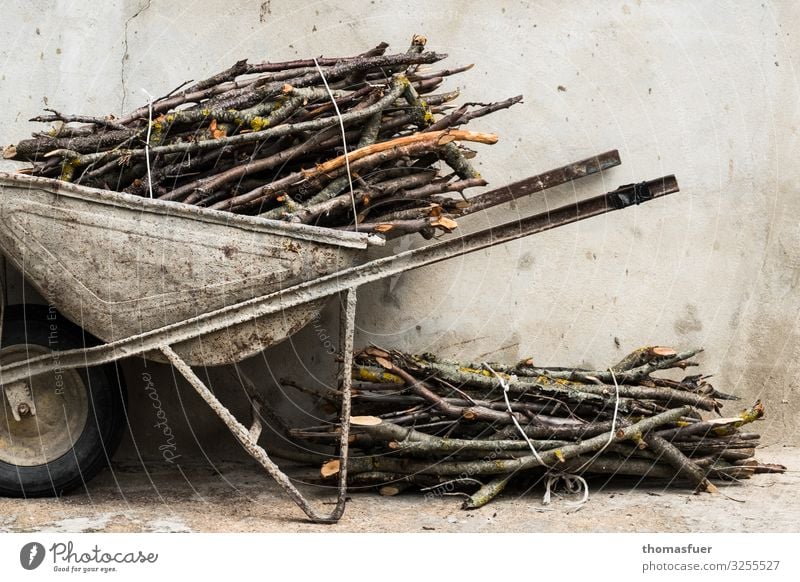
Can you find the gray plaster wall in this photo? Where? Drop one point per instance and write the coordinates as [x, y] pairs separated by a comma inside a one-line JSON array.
[[706, 90]]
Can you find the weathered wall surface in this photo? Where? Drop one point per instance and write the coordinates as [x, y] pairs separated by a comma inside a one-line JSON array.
[[708, 91]]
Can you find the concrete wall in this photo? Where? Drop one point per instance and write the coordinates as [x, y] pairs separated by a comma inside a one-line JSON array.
[[705, 90]]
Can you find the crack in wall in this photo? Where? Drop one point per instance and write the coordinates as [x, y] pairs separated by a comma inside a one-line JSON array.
[[125, 52]]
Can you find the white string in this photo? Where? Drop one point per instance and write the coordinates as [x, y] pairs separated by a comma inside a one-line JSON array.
[[344, 142], [551, 477], [506, 384], [613, 424], [147, 143], [573, 481], [616, 412]]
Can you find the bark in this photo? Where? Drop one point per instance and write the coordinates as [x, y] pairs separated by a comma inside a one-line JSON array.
[[431, 140], [486, 493], [404, 439], [672, 455], [29, 149], [256, 136], [463, 115], [333, 74], [643, 356], [569, 391], [321, 205], [628, 376], [322, 140], [479, 413], [717, 427], [547, 458]]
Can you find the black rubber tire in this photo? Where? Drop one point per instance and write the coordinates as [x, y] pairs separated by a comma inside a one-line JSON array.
[[107, 399]]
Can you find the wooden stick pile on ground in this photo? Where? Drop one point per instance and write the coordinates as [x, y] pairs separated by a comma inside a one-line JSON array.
[[439, 425], [269, 139]]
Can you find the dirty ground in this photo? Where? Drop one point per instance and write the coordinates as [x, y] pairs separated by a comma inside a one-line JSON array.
[[237, 497]]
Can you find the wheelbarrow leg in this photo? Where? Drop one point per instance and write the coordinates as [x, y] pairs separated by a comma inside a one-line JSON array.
[[347, 330], [249, 437]]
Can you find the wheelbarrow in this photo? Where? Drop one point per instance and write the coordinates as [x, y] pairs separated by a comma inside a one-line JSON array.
[[128, 276]]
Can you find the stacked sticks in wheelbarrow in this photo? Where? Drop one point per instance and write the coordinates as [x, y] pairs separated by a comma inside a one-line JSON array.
[[270, 139], [472, 427]]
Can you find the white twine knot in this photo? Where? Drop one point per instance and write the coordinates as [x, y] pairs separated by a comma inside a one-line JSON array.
[[573, 481]]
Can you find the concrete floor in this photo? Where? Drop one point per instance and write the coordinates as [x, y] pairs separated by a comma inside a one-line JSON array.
[[237, 497]]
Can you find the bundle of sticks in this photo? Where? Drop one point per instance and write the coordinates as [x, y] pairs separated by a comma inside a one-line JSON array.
[[368, 142], [473, 427]]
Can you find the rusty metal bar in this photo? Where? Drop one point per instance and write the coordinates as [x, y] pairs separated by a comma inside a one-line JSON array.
[[345, 279], [544, 181], [347, 330], [243, 435]]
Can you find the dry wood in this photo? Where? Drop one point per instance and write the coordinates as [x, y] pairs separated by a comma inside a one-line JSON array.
[[264, 139], [447, 426], [365, 420], [393, 489], [502, 466], [438, 138], [679, 461], [486, 493], [643, 356]]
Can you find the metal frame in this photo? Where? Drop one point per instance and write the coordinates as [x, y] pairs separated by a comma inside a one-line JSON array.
[[345, 281], [249, 437]]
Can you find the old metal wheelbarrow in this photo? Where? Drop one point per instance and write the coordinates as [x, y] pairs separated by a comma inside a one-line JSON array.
[[188, 286]]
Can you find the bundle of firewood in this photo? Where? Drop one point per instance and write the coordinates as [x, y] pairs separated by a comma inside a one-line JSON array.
[[270, 139], [474, 426]]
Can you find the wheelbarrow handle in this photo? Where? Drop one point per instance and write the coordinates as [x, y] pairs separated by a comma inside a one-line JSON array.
[[544, 181], [622, 197]]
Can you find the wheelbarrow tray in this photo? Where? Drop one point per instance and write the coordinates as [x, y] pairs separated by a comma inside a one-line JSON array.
[[119, 265]]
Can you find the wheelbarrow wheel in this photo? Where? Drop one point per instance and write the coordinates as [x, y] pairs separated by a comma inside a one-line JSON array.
[[78, 415]]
